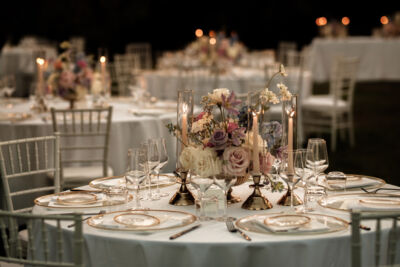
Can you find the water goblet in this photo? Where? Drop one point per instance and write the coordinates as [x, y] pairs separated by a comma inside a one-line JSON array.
[[163, 160], [201, 183], [136, 172], [153, 161], [224, 182], [317, 158]]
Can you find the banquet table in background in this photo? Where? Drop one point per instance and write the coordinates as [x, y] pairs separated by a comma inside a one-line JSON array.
[[213, 246], [379, 58], [165, 83]]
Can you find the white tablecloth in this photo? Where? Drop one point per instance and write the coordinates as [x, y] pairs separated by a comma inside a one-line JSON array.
[[379, 58], [213, 246], [127, 130], [164, 84]]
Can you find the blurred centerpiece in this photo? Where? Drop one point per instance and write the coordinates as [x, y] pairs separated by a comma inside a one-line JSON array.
[[72, 75]]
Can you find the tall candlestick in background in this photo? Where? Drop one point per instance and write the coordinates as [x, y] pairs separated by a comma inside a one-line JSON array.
[[40, 64], [184, 124], [290, 142], [103, 73], [256, 159]]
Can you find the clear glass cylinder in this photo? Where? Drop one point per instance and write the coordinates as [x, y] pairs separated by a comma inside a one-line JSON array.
[[184, 118], [289, 123]]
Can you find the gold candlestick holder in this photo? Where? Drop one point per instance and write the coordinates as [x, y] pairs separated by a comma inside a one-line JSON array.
[[183, 197], [285, 200], [256, 201]]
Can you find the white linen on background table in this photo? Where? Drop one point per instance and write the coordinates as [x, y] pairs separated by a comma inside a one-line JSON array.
[[212, 245], [379, 57]]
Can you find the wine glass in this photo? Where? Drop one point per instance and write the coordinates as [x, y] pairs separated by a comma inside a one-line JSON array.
[[202, 182], [317, 158], [163, 156], [136, 172], [288, 173], [225, 182], [302, 171], [153, 161]]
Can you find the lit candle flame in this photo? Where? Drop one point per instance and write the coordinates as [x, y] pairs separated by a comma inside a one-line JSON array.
[[40, 61], [345, 21], [384, 20], [102, 59], [213, 41], [291, 114], [199, 33]]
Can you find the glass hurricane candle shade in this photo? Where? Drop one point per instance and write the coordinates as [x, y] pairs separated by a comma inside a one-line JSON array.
[[289, 123], [184, 121]]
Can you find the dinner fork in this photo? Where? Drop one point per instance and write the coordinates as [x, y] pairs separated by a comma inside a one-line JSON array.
[[73, 224], [233, 229]]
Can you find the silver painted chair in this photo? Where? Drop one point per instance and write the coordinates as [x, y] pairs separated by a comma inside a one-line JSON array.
[[23, 159], [84, 141], [46, 246], [390, 249], [143, 50], [334, 111]]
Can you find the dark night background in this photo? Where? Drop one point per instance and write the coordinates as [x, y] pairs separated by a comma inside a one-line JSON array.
[[170, 25]]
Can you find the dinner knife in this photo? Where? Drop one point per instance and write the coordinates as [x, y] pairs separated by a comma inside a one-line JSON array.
[[184, 232]]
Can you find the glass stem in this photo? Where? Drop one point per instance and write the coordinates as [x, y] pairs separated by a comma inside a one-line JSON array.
[[137, 204], [149, 186], [225, 214], [158, 181]]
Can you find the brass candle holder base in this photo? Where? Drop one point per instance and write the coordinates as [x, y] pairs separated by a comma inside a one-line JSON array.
[[183, 197], [286, 199], [231, 198], [256, 201]]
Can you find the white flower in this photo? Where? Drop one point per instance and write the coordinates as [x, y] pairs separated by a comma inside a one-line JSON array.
[[187, 157], [268, 96], [285, 94], [282, 70], [216, 96], [206, 162], [197, 126]]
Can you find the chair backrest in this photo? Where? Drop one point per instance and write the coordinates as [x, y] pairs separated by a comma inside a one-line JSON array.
[[143, 50], [82, 130], [25, 158], [46, 246], [127, 67], [343, 78], [393, 236]]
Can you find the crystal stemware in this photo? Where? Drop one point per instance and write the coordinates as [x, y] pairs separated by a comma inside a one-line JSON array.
[[136, 172], [317, 159], [302, 171], [201, 183], [163, 160], [153, 161], [224, 182]]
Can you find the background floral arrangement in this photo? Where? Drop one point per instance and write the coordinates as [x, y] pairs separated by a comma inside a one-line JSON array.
[[72, 75]]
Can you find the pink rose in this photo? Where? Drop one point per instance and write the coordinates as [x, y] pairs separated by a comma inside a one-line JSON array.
[[200, 116], [236, 160], [232, 126], [266, 162]]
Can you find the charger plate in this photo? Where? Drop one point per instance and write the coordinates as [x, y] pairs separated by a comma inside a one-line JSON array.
[[45, 201], [133, 219], [112, 181], [347, 202], [323, 224], [287, 220], [169, 219], [357, 181], [76, 198]]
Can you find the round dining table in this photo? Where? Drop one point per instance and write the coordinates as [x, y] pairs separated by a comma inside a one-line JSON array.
[[213, 245]]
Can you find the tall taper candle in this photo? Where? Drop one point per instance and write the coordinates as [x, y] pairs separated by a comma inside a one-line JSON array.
[[256, 159], [184, 124], [40, 63]]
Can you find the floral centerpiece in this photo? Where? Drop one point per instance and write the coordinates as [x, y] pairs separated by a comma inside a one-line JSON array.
[[72, 75], [222, 132]]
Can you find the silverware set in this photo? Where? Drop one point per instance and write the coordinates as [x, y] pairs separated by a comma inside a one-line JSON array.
[[231, 228]]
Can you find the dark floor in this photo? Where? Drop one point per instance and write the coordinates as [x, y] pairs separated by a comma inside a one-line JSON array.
[[377, 128]]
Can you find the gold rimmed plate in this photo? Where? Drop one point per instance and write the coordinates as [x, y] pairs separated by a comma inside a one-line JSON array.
[[318, 224], [113, 181], [139, 220], [51, 201], [347, 202], [168, 219], [355, 182], [77, 198], [287, 220]]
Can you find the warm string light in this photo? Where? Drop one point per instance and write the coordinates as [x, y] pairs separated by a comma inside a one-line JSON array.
[[384, 20], [199, 33], [213, 41], [102, 59], [211, 33], [345, 21], [321, 21]]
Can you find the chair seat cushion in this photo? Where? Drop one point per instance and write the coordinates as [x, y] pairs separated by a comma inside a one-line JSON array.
[[323, 102], [84, 174]]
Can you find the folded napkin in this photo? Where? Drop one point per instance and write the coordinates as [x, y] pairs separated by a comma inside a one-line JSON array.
[[312, 227], [363, 182]]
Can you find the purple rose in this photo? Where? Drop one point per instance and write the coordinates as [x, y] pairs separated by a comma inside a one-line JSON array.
[[219, 139], [236, 160]]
